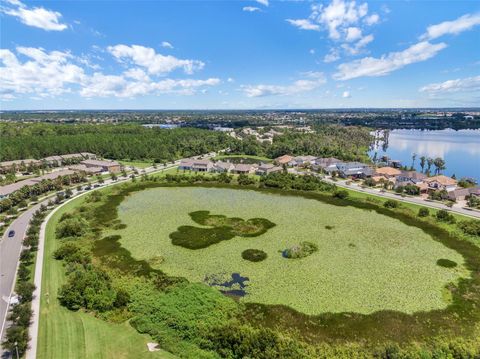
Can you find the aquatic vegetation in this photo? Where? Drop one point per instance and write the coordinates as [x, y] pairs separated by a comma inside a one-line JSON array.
[[254, 255], [302, 250], [447, 263], [224, 228], [354, 270]]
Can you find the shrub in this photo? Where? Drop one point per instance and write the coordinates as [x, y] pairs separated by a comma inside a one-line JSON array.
[[446, 263], [300, 251], [71, 227], [254, 255], [471, 227], [423, 212], [391, 204], [443, 216], [342, 194]]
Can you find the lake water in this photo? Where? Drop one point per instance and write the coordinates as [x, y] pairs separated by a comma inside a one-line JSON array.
[[460, 149]]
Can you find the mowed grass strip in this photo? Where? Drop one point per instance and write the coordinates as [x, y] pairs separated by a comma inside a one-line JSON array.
[[67, 334]]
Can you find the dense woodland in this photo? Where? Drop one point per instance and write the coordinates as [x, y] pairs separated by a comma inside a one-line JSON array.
[[110, 141], [134, 142]]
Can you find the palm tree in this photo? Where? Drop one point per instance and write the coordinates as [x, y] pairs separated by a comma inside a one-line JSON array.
[[414, 157], [423, 161], [429, 165], [439, 164]]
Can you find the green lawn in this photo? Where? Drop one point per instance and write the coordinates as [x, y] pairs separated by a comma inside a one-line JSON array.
[[257, 158], [365, 262], [67, 334], [138, 164]]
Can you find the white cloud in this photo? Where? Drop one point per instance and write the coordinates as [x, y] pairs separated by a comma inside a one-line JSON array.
[[371, 66], [100, 85], [459, 85], [153, 62], [250, 8], [353, 34], [358, 46], [372, 19], [167, 45], [34, 71], [463, 23], [345, 21], [37, 16], [230, 79], [346, 94], [312, 51], [263, 2], [304, 24], [42, 73], [315, 80], [332, 56], [339, 15]]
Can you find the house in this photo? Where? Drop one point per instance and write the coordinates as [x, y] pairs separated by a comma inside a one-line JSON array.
[[110, 166], [406, 178], [8, 165], [243, 168], [223, 167], [461, 194], [302, 161], [283, 160], [72, 157], [354, 169], [328, 164], [8, 189], [202, 165], [54, 161], [267, 168], [88, 170], [441, 182], [388, 172], [186, 164]]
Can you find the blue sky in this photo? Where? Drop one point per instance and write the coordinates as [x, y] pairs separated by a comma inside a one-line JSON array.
[[238, 54]]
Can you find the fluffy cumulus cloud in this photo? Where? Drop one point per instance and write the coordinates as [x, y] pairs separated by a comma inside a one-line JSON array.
[[311, 81], [40, 73], [371, 66], [346, 94], [37, 72], [154, 63], [468, 84], [250, 8], [455, 27], [36, 16], [345, 21], [263, 2]]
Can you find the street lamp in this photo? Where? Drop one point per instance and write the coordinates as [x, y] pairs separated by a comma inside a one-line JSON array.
[[16, 348]]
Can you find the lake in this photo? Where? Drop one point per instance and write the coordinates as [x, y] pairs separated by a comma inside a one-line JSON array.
[[460, 149]]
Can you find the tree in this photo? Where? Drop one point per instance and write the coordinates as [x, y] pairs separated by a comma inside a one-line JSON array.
[[71, 227], [391, 204], [423, 161], [414, 157], [429, 165], [113, 176], [439, 164]]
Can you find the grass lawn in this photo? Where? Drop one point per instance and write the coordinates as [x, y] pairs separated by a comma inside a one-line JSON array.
[[256, 158], [138, 164], [67, 334], [365, 262]]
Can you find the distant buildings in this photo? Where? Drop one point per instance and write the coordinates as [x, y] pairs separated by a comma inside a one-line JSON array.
[[110, 166]]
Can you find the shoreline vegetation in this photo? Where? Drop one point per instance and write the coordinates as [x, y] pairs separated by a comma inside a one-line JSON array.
[[194, 320]]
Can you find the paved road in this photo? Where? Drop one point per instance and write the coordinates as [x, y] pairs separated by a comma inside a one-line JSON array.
[[414, 200], [10, 249]]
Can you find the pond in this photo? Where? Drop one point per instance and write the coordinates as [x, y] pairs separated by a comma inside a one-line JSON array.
[[460, 149], [365, 263]]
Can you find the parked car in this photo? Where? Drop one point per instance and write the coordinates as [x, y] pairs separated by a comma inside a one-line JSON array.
[[11, 234]]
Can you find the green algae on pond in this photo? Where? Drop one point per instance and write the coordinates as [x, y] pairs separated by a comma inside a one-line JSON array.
[[355, 269], [222, 229]]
